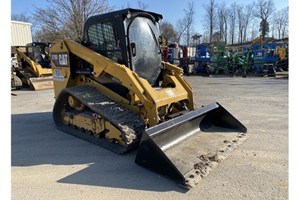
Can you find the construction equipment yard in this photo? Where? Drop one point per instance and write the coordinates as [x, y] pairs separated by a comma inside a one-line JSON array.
[[49, 164]]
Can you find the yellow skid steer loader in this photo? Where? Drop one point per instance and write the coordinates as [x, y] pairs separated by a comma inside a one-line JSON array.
[[34, 66], [114, 90]]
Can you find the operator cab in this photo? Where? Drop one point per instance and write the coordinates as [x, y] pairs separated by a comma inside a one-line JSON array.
[[39, 52], [130, 37]]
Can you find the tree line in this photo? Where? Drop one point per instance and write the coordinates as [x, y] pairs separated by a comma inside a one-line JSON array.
[[230, 24]]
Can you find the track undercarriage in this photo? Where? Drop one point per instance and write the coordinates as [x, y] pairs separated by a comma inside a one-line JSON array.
[[86, 113]]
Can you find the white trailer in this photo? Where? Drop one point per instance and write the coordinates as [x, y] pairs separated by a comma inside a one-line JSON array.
[[20, 33]]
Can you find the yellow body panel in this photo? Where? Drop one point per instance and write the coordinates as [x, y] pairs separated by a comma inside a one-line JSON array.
[[143, 98]]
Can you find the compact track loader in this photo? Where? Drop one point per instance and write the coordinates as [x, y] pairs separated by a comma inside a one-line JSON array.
[[34, 67], [114, 90]]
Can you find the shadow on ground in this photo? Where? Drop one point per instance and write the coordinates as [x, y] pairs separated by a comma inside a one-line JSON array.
[[36, 141]]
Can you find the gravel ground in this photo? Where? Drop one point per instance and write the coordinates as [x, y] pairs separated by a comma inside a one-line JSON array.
[[47, 164]]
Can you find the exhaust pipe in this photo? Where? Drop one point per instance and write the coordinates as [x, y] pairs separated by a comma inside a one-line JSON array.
[[186, 148]]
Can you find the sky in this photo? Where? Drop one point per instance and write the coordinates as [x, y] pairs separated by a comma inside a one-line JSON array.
[[172, 10]]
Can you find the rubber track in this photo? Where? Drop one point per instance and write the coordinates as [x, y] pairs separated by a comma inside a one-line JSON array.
[[129, 123]]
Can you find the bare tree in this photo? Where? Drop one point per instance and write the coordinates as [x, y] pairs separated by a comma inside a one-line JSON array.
[[184, 25], [272, 28], [21, 17], [225, 19], [205, 37], [285, 24], [232, 21], [181, 28], [211, 17], [281, 21], [240, 21], [248, 16], [263, 10], [168, 32], [190, 15], [45, 35], [244, 15], [142, 5], [65, 18], [254, 30], [222, 19]]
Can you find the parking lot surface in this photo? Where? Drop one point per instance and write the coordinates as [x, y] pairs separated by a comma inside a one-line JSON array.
[[49, 164]]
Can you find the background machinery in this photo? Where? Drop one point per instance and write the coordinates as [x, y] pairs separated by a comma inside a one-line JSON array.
[[261, 58], [281, 51], [114, 90], [202, 58], [181, 56], [16, 82], [257, 58], [187, 60], [34, 67], [218, 59], [211, 59]]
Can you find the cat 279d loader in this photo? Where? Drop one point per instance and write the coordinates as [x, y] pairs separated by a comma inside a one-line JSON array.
[[114, 90], [34, 67]]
